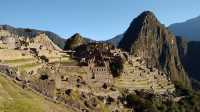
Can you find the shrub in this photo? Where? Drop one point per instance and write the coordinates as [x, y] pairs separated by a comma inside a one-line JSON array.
[[116, 67], [44, 59], [44, 77]]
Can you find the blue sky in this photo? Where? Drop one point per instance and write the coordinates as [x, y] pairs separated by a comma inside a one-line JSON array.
[[97, 19]]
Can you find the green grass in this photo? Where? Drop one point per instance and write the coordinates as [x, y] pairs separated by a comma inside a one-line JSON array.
[[18, 60], [28, 66], [15, 99]]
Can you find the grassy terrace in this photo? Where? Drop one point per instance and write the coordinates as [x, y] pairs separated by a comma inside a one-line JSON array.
[[28, 66], [18, 60], [15, 99]]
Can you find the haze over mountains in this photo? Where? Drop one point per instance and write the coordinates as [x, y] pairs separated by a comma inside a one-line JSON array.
[[189, 29]]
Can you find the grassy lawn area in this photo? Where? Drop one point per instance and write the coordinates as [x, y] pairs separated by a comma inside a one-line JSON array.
[[28, 66], [18, 60]]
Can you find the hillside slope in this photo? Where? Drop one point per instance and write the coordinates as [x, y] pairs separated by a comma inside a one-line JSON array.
[[15, 99], [190, 52]]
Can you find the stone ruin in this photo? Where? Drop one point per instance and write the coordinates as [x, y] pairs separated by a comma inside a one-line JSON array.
[[9, 40], [45, 87], [100, 75], [42, 42]]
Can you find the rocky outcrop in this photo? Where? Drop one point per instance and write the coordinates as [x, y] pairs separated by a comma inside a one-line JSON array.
[[148, 38]]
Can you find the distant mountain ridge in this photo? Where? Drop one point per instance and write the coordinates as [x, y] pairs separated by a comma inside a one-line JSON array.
[[115, 40], [189, 29]]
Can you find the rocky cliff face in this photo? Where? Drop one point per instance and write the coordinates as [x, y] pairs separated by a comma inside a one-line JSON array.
[[148, 38], [189, 53], [182, 45]]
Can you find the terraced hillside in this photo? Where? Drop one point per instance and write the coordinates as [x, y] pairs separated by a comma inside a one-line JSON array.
[[25, 62], [15, 99], [138, 77]]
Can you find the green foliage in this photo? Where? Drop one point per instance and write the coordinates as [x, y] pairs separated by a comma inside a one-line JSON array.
[[18, 60], [191, 103], [44, 59], [144, 102], [117, 67], [181, 90]]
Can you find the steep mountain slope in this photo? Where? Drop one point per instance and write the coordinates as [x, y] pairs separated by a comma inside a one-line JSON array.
[[75, 41], [190, 52], [189, 29], [33, 32], [148, 38], [15, 99], [182, 45]]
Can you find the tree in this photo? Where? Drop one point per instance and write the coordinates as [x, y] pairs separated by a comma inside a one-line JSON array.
[[44, 59]]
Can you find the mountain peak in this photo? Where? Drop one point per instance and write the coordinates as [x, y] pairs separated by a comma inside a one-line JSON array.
[[77, 35], [146, 17], [147, 13], [74, 41], [146, 37]]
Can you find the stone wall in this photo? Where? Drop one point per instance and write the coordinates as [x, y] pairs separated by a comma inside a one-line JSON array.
[[46, 87], [101, 75]]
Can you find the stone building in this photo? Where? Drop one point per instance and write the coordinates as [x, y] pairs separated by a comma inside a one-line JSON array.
[[9, 40], [100, 74]]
